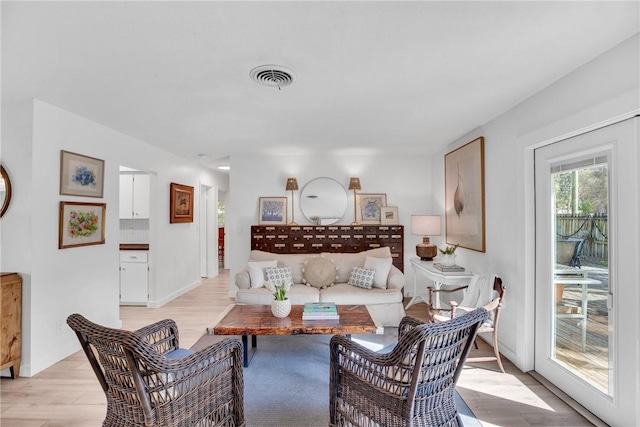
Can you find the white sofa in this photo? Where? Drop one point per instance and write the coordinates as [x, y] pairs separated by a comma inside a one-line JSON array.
[[384, 304]]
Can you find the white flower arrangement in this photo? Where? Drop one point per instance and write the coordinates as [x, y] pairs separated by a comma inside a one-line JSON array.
[[279, 292]]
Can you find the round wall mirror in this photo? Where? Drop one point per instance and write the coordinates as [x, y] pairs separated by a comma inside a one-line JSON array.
[[323, 201], [5, 191]]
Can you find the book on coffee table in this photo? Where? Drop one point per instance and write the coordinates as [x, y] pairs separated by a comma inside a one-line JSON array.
[[320, 307], [320, 311]]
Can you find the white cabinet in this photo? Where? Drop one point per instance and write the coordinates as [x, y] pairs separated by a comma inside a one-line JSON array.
[[134, 196], [134, 278]]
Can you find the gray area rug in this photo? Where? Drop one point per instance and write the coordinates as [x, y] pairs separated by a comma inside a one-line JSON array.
[[287, 381]]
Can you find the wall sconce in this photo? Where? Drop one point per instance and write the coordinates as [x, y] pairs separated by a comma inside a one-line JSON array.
[[426, 225], [354, 184], [292, 185]]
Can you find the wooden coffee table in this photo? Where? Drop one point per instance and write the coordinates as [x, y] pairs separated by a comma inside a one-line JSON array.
[[254, 320]]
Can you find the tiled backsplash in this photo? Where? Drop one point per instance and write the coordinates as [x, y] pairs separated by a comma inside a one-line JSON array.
[[134, 230]]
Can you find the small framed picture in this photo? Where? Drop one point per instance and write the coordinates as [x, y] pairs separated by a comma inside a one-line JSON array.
[[81, 175], [81, 224], [180, 203], [273, 210], [368, 207], [389, 215]]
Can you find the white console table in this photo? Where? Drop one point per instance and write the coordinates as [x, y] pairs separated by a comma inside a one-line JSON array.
[[438, 278]]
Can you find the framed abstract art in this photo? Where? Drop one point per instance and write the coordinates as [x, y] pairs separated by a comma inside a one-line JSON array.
[[464, 196]]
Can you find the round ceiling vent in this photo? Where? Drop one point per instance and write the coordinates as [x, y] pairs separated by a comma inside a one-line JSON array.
[[272, 76]]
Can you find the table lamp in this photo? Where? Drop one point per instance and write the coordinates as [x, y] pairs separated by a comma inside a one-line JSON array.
[[292, 185], [354, 184], [426, 225]]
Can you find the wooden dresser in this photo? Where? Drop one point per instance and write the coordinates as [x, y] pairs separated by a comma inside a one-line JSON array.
[[10, 318], [306, 239]]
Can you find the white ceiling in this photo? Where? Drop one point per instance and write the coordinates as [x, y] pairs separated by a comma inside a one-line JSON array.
[[371, 76]]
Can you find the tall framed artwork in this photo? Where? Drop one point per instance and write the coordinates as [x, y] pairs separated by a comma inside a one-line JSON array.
[[81, 224], [368, 207], [81, 175], [464, 196], [180, 203], [272, 211]]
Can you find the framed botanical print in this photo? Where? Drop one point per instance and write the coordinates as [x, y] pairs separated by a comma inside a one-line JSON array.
[[180, 203], [368, 207], [81, 224], [81, 175], [272, 210], [464, 196]]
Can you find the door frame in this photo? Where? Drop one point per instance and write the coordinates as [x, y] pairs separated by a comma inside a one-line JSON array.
[[625, 389], [531, 143]]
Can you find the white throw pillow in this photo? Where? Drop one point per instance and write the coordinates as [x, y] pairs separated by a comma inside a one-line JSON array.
[[256, 271], [361, 277], [382, 266]]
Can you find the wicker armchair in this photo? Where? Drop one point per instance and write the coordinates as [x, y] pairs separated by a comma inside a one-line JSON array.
[[150, 381], [413, 385]]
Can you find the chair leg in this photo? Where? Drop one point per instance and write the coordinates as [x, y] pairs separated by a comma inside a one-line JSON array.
[[475, 343], [496, 350]]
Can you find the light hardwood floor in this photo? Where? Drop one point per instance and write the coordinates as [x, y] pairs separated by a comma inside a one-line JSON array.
[[68, 395]]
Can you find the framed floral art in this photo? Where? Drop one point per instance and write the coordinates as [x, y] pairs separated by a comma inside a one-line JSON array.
[[81, 175], [81, 224]]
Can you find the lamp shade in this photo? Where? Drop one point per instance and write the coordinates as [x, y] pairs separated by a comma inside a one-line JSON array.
[[426, 225], [354, 184], [292, 184]]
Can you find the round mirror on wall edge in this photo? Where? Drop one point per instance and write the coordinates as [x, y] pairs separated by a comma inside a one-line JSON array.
[[323, 201], [5, 191]]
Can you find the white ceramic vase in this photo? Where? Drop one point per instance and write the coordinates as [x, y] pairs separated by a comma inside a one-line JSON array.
[[448, 259], [281, 308]]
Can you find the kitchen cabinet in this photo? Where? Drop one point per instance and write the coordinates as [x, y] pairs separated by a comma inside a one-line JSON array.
[[134, 196], [134, 277]]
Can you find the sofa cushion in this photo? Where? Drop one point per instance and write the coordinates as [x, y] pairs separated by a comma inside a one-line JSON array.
[[295, 261], [345, 262], [362, 277], [319, 272], [342, 293], [257, 273], [279, 275], [382, 266]]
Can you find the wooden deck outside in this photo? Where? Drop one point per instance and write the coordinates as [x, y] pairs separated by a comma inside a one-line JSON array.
[[593, 361]]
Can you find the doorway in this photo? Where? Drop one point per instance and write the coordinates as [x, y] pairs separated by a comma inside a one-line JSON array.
[[586, 268]]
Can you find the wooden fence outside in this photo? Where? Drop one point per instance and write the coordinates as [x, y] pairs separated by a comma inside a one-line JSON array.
[[594, 228]]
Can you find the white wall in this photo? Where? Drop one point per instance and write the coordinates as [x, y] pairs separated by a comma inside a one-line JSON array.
[[605, 88], [404, 178], [86, 279]]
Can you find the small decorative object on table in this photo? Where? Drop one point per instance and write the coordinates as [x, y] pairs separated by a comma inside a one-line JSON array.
[[320, 311], [448, 255], [281, 305]]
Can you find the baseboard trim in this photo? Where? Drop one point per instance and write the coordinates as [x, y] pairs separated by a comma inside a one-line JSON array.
[[593, 419]]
